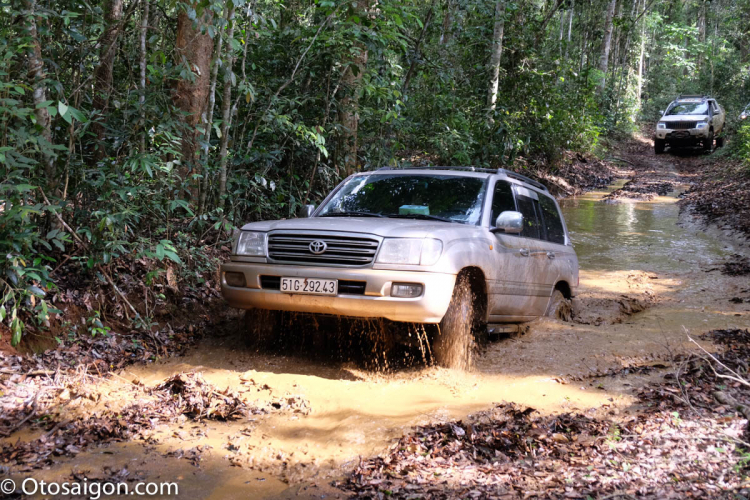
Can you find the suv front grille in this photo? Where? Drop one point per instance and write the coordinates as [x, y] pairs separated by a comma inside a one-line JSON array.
[[346, 287], [340, 249], [681, 125]]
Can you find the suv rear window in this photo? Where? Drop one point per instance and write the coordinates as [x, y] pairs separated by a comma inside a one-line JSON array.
[[552, 221]]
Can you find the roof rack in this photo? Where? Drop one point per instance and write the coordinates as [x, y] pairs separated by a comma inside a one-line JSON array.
[[439, 167], [501, 171], [521, 177], [693, 96]]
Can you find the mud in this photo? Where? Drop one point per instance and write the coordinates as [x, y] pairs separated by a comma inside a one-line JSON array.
[[648, 275]]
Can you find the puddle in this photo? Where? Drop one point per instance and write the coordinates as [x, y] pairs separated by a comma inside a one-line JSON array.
[[636, 235]]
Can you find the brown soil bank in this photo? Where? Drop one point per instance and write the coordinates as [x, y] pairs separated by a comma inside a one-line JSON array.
[[720, 190]]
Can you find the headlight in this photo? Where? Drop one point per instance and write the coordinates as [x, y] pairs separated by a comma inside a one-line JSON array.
[[702, 125], [661, 125], [743, 116], [251, 244], [410, 251]]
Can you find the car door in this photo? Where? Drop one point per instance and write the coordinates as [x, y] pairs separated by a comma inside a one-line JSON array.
[[563, 263], [721, 118], [716, 117], [516, 291]]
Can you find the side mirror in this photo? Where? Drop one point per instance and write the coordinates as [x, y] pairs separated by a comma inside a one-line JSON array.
[[661, 112], [717, 112], [509, 222], [305, 211]]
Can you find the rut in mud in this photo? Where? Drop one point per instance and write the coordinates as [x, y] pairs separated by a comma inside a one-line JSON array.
[[288, 421]]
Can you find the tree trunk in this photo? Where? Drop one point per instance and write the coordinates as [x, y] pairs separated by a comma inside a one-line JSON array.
[[607, 43], [193, 48], [208, 126], [37, 77], [445, 32], [103, 71], [349, 110], [570, 19], [144, 54], [641, 55], [497, 52], [226, 106]]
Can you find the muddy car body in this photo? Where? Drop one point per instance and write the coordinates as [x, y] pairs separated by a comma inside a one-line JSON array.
[[412, 246], [690, 120]]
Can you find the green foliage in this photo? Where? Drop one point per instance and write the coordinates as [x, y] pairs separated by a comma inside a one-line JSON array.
[[116, 174], [741, 145]]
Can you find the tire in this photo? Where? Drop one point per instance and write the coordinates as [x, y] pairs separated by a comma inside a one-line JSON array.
[[708, 142], [659, 145], [559, 307], [261, 328], [454, 343]]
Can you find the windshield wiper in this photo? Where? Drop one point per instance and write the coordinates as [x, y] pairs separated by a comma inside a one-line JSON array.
[[421, 216], [351, 214]]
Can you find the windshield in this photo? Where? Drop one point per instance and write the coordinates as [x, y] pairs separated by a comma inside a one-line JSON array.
[[688, 108], [442, 197]]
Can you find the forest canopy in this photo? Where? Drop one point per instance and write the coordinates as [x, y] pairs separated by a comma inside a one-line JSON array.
[[147, 129]]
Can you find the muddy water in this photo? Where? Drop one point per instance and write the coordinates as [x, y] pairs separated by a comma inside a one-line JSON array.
[[629, 250], [636, 235]]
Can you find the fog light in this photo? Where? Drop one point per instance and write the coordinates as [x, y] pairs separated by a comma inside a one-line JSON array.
[[406, 290], [235, 279]]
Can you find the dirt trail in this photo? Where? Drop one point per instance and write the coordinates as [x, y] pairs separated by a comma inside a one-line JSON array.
[[648, 277]]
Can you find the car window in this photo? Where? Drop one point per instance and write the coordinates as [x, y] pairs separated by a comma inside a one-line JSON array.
[[530, 219], [552, 220], [502, 200], [688, 108], [453, 198]]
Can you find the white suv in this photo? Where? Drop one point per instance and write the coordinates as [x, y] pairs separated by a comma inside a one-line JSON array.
[[460, 248], [690, 120]]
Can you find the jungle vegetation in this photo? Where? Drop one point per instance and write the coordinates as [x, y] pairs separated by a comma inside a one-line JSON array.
[[149, 129]]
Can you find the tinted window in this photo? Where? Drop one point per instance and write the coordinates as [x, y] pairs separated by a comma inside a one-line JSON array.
[[451, 197], [552, 221], [502, 200], [530, 220]]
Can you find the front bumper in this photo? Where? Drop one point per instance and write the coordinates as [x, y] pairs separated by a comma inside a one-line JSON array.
[[376, 302], [689, 135]]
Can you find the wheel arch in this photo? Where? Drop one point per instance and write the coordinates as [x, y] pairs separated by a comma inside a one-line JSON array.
[[478, 283], [564, 287]]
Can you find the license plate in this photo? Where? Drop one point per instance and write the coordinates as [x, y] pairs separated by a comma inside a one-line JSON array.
[[311, 286]]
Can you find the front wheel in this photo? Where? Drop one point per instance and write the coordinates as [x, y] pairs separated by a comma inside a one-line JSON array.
[[454, 343], [659, 145], [708, 142]]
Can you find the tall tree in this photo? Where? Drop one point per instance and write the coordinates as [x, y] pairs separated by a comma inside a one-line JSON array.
[[497, 52], [607, 42], [104, 70], [226, 105], [37, 77], [349, 108], [142, 64], [193, 49]]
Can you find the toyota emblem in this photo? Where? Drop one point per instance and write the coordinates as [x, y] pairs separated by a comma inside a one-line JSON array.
[[318, 247]]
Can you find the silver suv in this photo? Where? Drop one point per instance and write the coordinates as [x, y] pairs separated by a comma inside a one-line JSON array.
[[690, 120], [461, 248]]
